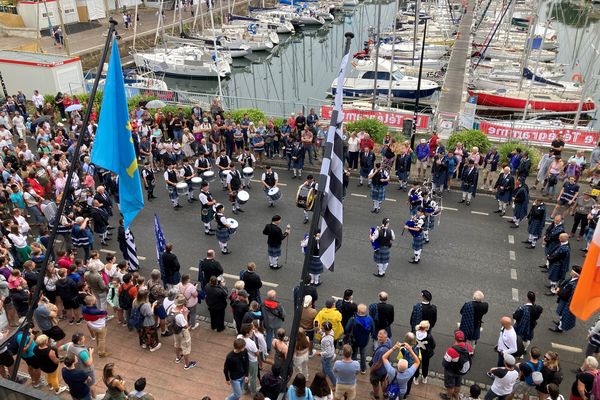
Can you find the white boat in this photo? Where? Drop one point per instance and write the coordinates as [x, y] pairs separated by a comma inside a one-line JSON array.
[[350, 3], [187, 61], [228, 38], [296, 18], [279, 25], [359, 82], [208, 43], [514, 54], [406, 50]]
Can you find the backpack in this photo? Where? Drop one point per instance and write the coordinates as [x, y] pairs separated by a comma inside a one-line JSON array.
[[171, 324], [595, 393], [136, 319], [125, 300], [463, 365], [392, 391], [338, 304], [520, 348], [535, 378]]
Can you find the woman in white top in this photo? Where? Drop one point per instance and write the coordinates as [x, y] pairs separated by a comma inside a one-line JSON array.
[[301, 353], [353, 151], [188, 139]]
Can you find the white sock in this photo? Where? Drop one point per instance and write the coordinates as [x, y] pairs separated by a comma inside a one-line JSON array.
[[305, 214], [380, 269], [207, 227], [464, 196], [314, 278], [418, 255], [223, 246], [426, 235], [469, 196], [384, 267]]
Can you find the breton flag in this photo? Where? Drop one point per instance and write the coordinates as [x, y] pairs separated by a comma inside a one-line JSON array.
[[586, 299], [332, 172], [161, 243], [113, 145], [131, 251]]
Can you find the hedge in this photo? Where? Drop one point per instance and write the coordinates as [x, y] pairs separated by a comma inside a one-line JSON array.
[[375, 128], [470, 139], [506, 148]]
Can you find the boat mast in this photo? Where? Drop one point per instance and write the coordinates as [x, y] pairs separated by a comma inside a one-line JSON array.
[[62, 27], [196, 16], [376, 55], [529, 44], [135, 24], [535, 67], [176, 7], [159, 21], [212, 25], [415, 31], [509, 22], [389, 99]]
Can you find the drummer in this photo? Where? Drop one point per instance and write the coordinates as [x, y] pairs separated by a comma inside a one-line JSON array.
[[222, 229], [223, 162], [187, 173], [149, 178], [208, 208], [311, 184], [202, 165], [171, 181], [315, 266], [417, 234], [247, 160], [270, 180], [234, 183]]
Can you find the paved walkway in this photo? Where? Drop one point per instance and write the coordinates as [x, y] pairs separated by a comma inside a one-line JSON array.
[[452, 91], [168, 380]]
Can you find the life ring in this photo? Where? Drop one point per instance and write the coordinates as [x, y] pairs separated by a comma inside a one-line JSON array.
[[577, 78]]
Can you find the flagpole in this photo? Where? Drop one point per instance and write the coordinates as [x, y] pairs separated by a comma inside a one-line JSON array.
[[25, 325], [314, 226]]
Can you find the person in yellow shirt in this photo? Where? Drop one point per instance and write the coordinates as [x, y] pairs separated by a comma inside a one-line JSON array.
[[331, 314]]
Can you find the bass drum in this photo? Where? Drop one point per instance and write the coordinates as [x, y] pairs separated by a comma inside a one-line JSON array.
[[305, 198]]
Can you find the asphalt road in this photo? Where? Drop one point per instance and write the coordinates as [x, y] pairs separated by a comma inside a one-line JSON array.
[[471, 249]]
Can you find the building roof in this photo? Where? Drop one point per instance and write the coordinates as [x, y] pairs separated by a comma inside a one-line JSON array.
[[35, 59]]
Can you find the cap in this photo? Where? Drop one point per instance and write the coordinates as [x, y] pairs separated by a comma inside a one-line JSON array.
[[423, 141], [459, 336], [180, 300], [426, 295], [307, 300], [242, 293], [509, 360]]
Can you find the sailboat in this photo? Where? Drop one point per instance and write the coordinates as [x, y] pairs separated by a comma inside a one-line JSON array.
[[187, 60]]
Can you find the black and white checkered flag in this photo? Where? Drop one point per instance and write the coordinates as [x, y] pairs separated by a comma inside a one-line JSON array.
[[131, 251], [332, 172]]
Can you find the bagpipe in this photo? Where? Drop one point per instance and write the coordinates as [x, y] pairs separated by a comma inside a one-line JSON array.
[[415, 197], [431, 208], [412, 223], [374, 243]]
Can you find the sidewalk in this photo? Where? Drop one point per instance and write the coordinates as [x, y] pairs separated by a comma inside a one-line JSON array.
[[168, 380]]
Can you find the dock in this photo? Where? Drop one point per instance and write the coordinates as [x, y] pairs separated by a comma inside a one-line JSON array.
[[452, 96]]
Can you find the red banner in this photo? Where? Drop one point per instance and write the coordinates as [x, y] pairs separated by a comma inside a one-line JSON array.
[[541, 134], [391, 119]]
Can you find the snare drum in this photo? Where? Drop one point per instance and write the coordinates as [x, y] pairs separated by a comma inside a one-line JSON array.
[[196, 183], [233, 225], [208, 176], [182, 188], [305, 198], [243, 197], [248, 172], [274, 194]]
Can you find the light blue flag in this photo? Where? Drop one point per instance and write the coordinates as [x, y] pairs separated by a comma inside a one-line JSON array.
[[113, 145]]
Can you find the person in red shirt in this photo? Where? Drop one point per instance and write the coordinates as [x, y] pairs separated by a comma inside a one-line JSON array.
[[457, 362], [366, 141], [433, 143]]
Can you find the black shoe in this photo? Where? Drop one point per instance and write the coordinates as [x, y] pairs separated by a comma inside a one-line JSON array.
[[377, 211], [373, 211], [240, 210], [226, 251], [556, 329], [294, 177], [153, 197], [468, 203], [526, 241], [555, 322], [530, 247], [360, 184], [462, 201], [317, 284], [212, 230], [413, 261], [377, 275], [305, 221], [550, 293], [177, 206], [235, 212], [543, 266], [193, 199], [189, 200], [271, 205], [209, 233], [497, 211], [514, 226], [503, 213]]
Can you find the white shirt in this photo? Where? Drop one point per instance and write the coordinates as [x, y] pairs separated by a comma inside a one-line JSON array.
[[264, 175], [353, 145], [507, 341], [38, 100], [375, 234], [251, 348], [504, 386]]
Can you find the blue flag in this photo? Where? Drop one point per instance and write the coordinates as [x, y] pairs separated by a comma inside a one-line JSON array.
[[113, 145], [161, 243]]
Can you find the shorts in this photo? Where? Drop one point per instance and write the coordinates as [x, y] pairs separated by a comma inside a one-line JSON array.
[[422, 164], [70, 305], [522, 388], [55, 333], [344, 389], [183, 341], [563, 203], [160, 312], [32, 362], [310, 335], [452, 380], [376, 380], [6, 359]]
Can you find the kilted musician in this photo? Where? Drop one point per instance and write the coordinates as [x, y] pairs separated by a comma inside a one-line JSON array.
[[187, 173], [382, 238], [310, 184], [223, 162], [275, 236], [246, 159], [202, 165], [269, 180], [315, 266], [234, 183], [208, 208], [149, 178], [222, 229], [171, 182], [379, 180], [415, 227]]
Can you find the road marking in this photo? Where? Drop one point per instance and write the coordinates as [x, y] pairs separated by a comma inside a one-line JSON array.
[[394, 200], [449, 208], [195, 269], [358, 195], [479, 213], [513, 274], [237, 277], [511, 239], [141, 258], [259, 181], [515, 294], [566, 348], [108, 251], [512, 255], [507, 217]]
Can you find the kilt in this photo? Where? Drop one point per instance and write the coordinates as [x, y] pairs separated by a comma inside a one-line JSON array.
[[207, 215], [364, 172], [504, 197], [556, 272], [535, 227], [315, 266], [468, 187], [431, 222], [520, 210], [377, 193], [418, 241], [382, 255], [274, 251], [567, 319], [402, 176], [222, 235], [298, 164]]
